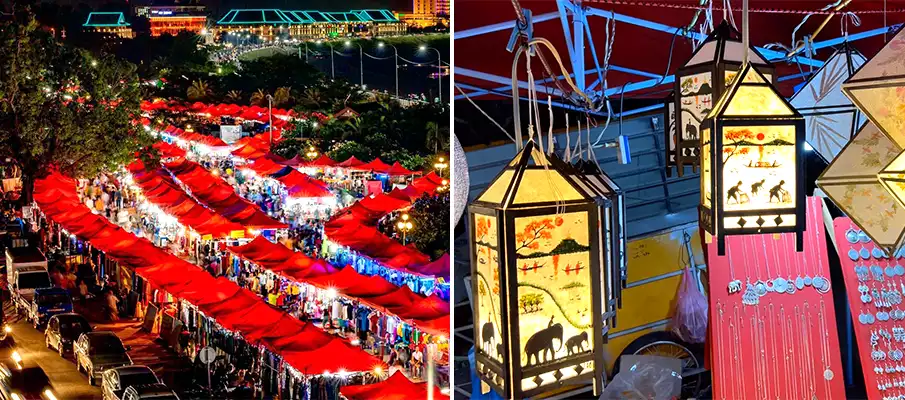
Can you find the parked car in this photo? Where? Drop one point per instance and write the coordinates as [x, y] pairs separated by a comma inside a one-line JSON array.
[[25, 381], [96, 352], [64, 329], [156, 391], [117, 380], [48, 302]]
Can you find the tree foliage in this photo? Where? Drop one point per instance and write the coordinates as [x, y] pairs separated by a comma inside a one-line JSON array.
[[62, 107], [430, 221]]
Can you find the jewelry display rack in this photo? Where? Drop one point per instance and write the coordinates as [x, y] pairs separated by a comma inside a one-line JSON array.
[[772, 317], [875, 283]]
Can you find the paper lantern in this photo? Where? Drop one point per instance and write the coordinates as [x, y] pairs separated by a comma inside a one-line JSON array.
[[751, 173], [878, 89], [851, 182], [702, 80], [536, 256], [830, 118]]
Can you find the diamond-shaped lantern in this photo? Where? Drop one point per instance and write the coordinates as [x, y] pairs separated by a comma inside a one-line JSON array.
[[830, 118], [537, 255], [878, 89], [751, 173], [702, 80], [851, 182]]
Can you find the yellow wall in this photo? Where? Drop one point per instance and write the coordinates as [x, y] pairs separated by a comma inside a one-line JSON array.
[[653, 301]]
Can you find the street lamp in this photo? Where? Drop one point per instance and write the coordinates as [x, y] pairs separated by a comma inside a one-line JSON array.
[[439, 71], [332, 71], [396, 55], [361, 61], [404, 225], [441, 165]]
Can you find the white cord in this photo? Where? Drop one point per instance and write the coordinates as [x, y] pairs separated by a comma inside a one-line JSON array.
[[550, 128], [844, 20]]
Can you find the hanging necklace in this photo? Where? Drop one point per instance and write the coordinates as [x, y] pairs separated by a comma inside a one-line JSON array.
[[773, 352], [760, 287], [738, 362], [721, 375], [808, 353], [821, 284], [762, 337], [825, 351], [792, 363], [750, 296], [799, 281], [758, 384], [769, 282], [779, 284], [790, 284], [735, 285], [851, 235], [787, 349]]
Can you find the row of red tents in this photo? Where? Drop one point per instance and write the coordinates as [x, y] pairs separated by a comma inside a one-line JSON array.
[[160, 188], [430, 314], [396, 387], [219, 196], [302, 345], [355, 227], [298, 185], [194, 137]]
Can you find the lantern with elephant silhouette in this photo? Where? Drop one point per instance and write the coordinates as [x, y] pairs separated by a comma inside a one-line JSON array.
[[544, 276], [751, 169], [700, 83]]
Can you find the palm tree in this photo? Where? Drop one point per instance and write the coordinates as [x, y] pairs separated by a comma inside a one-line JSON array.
[[199, 90], [437, 137], [259, 97], [281, 96], [234, 96], [355, 127], [313, 98]]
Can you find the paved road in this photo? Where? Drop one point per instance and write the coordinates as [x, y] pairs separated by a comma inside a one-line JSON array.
[[68, 382]]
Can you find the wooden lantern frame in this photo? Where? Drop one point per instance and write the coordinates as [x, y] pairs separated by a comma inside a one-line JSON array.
[[688, 148], [505, 376], [712, 218]]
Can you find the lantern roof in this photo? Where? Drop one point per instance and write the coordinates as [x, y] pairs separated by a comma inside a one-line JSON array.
[[724, 45], [752, 96], [533, 179]]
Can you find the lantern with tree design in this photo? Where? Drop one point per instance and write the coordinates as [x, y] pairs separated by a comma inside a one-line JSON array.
[[701, 81], [537, 255], [751, 172]]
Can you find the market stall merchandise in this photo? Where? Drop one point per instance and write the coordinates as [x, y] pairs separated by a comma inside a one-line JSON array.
[[396, 387], [772, 316]]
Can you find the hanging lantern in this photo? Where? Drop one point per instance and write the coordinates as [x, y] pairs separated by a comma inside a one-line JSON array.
[[830, 118], [851, 182], [878, 89], [702, 80], [751, 172], [536, 255], [669, 128]]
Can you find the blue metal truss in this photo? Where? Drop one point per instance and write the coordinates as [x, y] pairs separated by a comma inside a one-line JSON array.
[[577, 31]]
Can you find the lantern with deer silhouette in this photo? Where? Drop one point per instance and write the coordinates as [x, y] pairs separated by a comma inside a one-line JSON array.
[[537, 254], [700, 82], [751, 171]]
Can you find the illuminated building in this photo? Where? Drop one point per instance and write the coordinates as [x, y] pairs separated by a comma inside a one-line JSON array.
[[271, 24], [174, 19], [109, 25], [426, 13]]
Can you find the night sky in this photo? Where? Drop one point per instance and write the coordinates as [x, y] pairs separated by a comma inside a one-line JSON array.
[[220, 7]]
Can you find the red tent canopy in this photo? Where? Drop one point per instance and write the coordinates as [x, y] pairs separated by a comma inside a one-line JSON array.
[[302, 186], [264, 166], [322, 161], [396, 387], [234, 308], [438, 268], [168, 150], [352, 163], [159, 188], [398, 170], [433, 177], [376, 165], [220, 196]]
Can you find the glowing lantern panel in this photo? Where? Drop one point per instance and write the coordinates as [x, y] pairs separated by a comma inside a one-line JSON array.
[[537, 255], [751, 173]]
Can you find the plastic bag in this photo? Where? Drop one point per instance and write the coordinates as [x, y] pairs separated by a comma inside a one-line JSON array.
[[690, 320], [645, 379]]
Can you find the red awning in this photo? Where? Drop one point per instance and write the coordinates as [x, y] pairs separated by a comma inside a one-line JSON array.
[[396, 387], [302, 186], [333, 357], [376, 165], [322, 161], [352, 163], [168, 150], [398, 170]]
